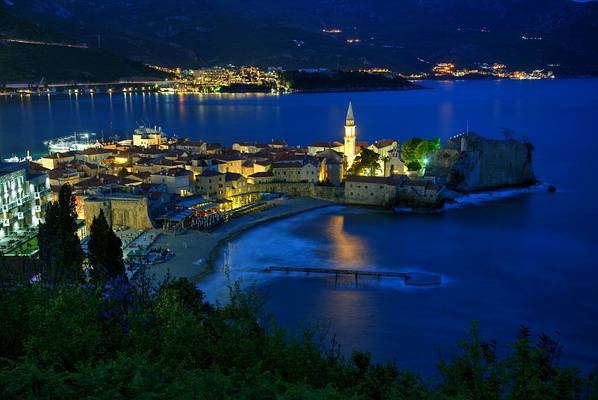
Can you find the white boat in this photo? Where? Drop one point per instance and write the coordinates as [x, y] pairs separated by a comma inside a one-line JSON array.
[[17, 159], [76, 142]]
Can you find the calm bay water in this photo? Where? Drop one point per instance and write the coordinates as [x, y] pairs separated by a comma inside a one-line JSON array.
[[530, 259]]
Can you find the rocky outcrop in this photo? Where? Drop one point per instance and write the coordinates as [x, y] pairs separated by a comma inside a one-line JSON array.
[[441, 162], [485, 163]]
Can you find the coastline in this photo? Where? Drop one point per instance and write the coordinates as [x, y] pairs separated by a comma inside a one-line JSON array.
[[196, 251]]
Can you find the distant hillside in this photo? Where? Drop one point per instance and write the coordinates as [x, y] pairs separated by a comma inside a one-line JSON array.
[[56, 62], [339, 80], [406, 35]]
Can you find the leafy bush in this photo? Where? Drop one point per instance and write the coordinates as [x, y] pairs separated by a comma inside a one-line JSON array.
[[414, 166], [416, 149], [124, 341]]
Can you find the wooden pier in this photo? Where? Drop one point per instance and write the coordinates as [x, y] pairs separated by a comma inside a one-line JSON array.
[[412, 279]]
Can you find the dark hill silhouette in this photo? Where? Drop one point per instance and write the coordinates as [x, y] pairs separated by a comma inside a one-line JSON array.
[[407, 35]]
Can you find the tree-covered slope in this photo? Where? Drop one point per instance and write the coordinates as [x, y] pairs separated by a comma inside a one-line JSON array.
[[407, 35], [55, 60]]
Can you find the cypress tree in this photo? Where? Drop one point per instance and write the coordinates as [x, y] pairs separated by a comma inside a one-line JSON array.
[[105, 252], [59, 246]]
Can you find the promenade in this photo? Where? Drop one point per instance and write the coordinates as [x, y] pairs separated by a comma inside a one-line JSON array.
[[194, 250]]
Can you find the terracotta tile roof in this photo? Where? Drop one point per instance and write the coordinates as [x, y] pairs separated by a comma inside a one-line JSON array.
[[210, 173], [191, 143], [168, 163], [174, 172], [384, 143], [326, 144], [61, 172], [94, 151], [214, 146], [149, 150], [287, 165], [230, 157], [231, 176], [290, 157], [54, 156], [141, 175], [246, 144], [147, 161], [262, 175]]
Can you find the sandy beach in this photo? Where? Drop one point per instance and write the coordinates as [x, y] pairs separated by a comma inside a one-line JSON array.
[[194, 250]]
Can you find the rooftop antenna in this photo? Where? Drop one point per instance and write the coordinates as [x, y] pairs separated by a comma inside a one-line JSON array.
[[467, 131]]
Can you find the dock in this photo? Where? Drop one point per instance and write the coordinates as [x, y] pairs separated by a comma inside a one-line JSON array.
[[411, 279]]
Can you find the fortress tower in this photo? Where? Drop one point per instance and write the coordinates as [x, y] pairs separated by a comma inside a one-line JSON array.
[[350, 136]]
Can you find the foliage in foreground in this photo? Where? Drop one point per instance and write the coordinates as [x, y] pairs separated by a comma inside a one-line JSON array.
[[59, 246], [121, 341], [105, 250]]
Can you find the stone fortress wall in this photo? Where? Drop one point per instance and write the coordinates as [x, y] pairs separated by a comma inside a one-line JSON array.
[[473, 163], [131, 212], [304, 189]]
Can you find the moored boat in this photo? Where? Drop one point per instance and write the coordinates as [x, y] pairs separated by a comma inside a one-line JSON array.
[[76, 142]]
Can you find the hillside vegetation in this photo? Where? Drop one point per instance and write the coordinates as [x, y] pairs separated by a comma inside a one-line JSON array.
[[407, 35], [71, 341], [339, 80], [20, 62]]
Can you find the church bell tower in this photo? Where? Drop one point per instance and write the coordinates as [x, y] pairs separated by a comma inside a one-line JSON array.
[[350, 136]]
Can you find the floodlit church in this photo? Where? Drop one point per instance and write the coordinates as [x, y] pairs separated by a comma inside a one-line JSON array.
[[388, 149]]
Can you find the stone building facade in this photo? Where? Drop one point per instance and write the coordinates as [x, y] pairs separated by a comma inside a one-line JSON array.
[[372, 190], [126, 211]]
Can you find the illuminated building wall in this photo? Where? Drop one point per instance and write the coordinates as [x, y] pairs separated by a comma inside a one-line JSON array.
[[23, 197]]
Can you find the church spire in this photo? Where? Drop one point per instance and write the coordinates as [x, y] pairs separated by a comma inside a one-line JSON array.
[[350, 120], [350, 138]]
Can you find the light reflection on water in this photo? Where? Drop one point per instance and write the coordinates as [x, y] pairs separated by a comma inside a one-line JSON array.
[[500, 264], [348, 251]]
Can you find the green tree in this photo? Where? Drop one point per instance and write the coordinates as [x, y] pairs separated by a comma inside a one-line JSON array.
[[408, 150], [105, 251], [475, 373], [75, 341], [59, 246], [416, 149], [365, 162], [534, 370], [414, 166], [426, 148], [186, 293]]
